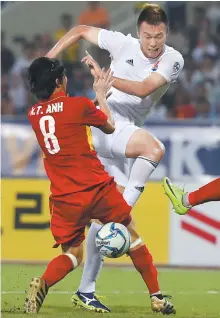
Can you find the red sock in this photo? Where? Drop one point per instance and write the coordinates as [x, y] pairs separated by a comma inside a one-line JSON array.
[[57, 269], [209, 192], [143, 262]]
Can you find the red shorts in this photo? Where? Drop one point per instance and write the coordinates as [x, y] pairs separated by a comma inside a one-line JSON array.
[[103, 202]]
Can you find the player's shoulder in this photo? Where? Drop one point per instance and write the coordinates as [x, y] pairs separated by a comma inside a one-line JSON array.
[[79, 102], [117, 35], [130, 40], [172, 53], [129, 43]]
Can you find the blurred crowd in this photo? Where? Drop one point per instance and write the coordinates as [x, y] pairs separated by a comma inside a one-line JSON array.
[[195, 95]]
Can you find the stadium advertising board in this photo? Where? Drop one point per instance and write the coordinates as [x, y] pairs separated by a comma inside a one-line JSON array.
[[195, 237], [191, 152], [26, 232]]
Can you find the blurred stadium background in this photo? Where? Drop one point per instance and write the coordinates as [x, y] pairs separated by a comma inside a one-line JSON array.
[[186, 120]]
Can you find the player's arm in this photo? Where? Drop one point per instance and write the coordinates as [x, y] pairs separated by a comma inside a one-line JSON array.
[[109, 126], [99, 117], [101, 86], [168, 71], [140, 89], [77, 33]]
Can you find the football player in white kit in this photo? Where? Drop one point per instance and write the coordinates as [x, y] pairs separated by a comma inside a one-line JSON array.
[[144, 68]]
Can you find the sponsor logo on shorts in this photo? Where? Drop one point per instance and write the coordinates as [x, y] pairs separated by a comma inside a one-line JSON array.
[[141, 189]]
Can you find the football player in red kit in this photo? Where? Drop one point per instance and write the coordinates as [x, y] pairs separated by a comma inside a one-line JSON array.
[[80, 187]]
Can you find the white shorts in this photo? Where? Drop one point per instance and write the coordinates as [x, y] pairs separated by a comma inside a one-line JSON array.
[[111, 150]]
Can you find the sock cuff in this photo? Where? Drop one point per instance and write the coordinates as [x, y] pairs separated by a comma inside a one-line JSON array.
[[153, 163], [73, 259], [139, 252], [138, 241]]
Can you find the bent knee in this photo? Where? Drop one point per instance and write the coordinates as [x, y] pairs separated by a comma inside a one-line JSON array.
[[136, 243], [159, 148], [75, 254], [75, 259], [154, 151]]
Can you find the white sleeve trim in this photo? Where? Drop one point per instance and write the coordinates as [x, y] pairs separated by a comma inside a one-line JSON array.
[[99, 39], [164, 75]]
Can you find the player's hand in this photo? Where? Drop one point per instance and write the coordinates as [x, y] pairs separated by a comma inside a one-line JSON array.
[[96, 102], [93, 65], [103, 83]]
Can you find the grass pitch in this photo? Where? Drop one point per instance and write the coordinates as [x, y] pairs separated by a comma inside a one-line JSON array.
[[196, 294]]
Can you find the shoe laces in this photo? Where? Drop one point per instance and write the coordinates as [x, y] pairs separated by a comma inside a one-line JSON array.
[[167, 296], [181, 189]]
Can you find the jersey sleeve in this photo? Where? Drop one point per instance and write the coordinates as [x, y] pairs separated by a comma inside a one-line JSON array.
[[93, 116], [170, 66], [111, 41]]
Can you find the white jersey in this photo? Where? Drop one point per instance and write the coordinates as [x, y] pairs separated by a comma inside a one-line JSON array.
[[129, 62]]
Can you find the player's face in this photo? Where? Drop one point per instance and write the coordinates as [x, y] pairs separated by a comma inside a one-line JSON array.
[[152, 39]]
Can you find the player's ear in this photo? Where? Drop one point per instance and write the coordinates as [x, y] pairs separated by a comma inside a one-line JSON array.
[[58, 84], [138, 33]]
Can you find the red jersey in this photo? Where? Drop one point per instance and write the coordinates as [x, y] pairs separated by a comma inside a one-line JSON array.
[[61, 125]]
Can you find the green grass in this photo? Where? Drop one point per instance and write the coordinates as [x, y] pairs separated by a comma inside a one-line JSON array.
[[124, 290]]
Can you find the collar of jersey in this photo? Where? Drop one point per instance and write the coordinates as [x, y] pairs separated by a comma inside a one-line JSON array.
[[55, 95]]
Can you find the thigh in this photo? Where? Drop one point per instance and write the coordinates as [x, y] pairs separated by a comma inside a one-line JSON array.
[[102, 142], [113, 145], [121, 139], [117, 168], [142, 142], [68, 223], [110, 206], [120, 168]]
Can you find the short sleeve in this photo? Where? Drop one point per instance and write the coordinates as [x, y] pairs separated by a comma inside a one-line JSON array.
[[170, 66], [93, 116], [111, 41]]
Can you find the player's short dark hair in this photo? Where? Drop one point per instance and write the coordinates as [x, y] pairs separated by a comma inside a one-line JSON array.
[[152, 14], [42, 75]]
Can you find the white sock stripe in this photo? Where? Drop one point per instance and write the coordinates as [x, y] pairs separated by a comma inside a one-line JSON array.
[[154, 163], [134, 244], [73, 259]]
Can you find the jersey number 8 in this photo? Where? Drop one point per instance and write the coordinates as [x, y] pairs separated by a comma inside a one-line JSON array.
[[50, 134]]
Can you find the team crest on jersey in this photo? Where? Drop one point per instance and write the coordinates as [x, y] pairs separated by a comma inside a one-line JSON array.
[[176, 67], [155, 66]]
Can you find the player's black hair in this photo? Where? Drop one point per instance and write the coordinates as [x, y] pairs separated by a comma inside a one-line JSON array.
[[152, 14], [42, 75]]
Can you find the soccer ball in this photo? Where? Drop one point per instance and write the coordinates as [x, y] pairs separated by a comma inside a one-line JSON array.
[[113, 240]]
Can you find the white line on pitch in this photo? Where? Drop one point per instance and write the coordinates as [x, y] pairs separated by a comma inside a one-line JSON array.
[[60, 292]]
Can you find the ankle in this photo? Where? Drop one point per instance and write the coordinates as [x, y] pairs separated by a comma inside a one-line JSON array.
[[185, 200], [44, 284], [157, 295]]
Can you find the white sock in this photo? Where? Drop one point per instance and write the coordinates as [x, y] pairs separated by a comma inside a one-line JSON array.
[[140, 173], [93, 263], [185, 200]]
